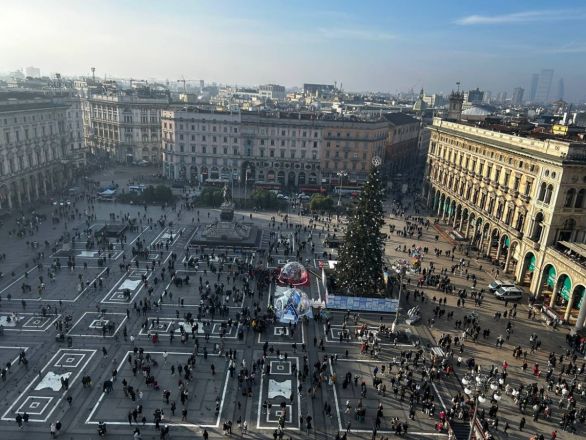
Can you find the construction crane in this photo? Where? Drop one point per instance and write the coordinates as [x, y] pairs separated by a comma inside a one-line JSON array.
[[183, 80]]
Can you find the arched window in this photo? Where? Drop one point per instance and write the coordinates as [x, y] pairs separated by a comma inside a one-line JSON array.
[[542, 190], [537, 227], [569, 198], [567, 230], [548, 194], [580, 199]]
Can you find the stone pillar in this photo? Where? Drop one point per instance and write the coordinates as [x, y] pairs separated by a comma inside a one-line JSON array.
[[468, 228], [489, 245], [499, 250], [9, 198], [19, 196], [581, 317], [508, 261], [37, 189], [569, 306], [27, 188], [554, 295], [44, 182]]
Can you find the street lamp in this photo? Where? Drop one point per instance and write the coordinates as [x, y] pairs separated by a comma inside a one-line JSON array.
[[245, 182], [480, 385], [341, 175], [400, 272]]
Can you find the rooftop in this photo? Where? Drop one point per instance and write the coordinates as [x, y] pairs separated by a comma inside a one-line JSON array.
[[303, 116]]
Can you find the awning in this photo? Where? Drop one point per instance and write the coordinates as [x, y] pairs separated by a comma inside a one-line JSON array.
[[531, 266], [578, 297], [566, 288], [551, 277]]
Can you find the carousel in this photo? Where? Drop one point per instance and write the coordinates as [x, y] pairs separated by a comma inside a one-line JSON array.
[[293, 274], [290, 305]]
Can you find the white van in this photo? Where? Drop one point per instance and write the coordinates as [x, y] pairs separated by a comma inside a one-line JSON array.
[[493, 287], [509, 293]]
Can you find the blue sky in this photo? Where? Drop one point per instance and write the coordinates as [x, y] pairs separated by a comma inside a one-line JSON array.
[[366, 45]]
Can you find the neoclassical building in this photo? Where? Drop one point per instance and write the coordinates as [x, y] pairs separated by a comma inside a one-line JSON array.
[[124, 125], [520, 199], [300, 149], [38, 153]]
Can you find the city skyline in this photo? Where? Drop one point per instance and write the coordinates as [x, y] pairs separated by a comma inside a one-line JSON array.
[[374, 46]]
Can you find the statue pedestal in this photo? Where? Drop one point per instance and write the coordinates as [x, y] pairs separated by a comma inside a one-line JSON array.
[[227, 212]]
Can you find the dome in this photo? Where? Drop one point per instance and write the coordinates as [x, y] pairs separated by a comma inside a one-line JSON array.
[[291, 305], [294, 274]]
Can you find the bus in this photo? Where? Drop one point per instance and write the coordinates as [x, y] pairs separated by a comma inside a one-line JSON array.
[[136, 188], [218, 183], [347, 191]]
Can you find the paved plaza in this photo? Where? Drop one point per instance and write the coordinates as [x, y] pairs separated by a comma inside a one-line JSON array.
[[108, 335]]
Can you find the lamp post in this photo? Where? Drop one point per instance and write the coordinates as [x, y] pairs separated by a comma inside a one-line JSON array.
[[341, 174], [400, 272], [245, 182], [478, 385]]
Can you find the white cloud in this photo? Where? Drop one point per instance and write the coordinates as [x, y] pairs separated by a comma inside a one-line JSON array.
[[522, 17]]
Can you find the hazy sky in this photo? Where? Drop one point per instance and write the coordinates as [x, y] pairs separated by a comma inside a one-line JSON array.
[[366, 45]]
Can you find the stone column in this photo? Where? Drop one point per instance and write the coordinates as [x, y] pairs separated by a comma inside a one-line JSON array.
[[554, 295], [508, 261], [499, 250], [27, 188], [569, 306], [19, 196], [581, 317], [489, 245], [468, 227]]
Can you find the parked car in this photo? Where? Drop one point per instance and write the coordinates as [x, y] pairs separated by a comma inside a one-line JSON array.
[[493, 287], [509, 293]]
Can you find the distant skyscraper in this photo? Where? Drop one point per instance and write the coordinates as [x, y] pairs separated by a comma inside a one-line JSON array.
[[33, 72], [475, 96], [533, 89], [560, 91], [544, 86], [518, 96]]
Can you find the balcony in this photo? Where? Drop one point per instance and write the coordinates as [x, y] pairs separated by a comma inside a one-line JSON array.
[[518, 234]]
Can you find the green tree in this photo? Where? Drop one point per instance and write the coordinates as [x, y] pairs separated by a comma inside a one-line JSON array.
[[163, 193], [211, 197], [265, 199], [360, 260], [320, 202]]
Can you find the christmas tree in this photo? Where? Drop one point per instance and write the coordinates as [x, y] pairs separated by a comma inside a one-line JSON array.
[[359, 270]]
